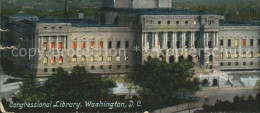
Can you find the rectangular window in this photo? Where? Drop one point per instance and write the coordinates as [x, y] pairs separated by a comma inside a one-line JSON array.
[[229, 63], [251, 42], [221, 55], [244, 63], [45, 28], [83, 44], [118, 66], [52, 45], [236, 42], [109, 59], [45, 69], [60, 45], [92, 59], [126, 44], [229, 42], [44, 46], [92, 45], [100, 58], [101, 67], [110, 67], [251, 63], [221, 42], [236, 63], [74, 45], [244, 42], [177, 22], [109, 44], [92, 68], [118, 44], [126, 66], [148, 21], [221, 63], [101, 44], [118, 58]]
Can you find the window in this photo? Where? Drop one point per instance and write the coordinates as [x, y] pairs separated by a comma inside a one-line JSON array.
[[186, 22], [83, 44], [44, 46], [244, 42], [45, 69], [110, 67], [244, 55], [101, 67], [187, 43], [236, 42], [53, 60], [229, 55], [258, 42], [148, 21], [221, 42], [244, 63], [92, 45], [74, 58], [196, 44], [45, 28], [177, 22], [126, 66], [118, 66], [118, 44], [53, 69], [195, 22], [251, 63], [45, 60], [209, 44], [159, 22], [83, 58], [60, 59], [109, 58], [210, 21], [251, 54], [60, 45], [126, 44], [210, 58], [101, 44], [110, 44], [236, 55], [52, 45], [251, 42], [168, 22], [74, 45], [92, 58], [126, 58], [100, 58], [229, 42], [236, 63], [221, 63], [229, 63], [52, 28], [221, 55], [92, 67], [60, 28], [118, 58]]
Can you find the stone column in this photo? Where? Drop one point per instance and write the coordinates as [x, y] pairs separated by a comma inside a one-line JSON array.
[[41, 44], [214, 39], [193, 39], [184, 39], [49, 43], [145, 38], [153, 40], [57, 42], [166, 39], [156, 40], [173, 38], [217, 39], [207, 39]]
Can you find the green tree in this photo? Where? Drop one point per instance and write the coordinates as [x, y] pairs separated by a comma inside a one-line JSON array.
[[160, 81]]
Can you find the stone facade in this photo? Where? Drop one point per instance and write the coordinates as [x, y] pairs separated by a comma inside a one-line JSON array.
[[167, 34]]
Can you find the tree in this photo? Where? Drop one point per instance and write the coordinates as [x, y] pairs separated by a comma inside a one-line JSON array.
[[161, 80]]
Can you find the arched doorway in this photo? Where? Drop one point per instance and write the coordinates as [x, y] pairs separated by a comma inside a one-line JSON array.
[[205, 82], [116, 20], [190, 58], [149, 58], [102, 19], [181, 58], [215, 82], [171, 59]]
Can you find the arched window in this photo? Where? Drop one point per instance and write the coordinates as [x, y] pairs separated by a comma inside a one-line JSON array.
[[45, 60], [244, 55], [236, 55], [83, 58], [118, 58], [74, 45], [60, 59], [221, 55], [53, 60], [74, 58]]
